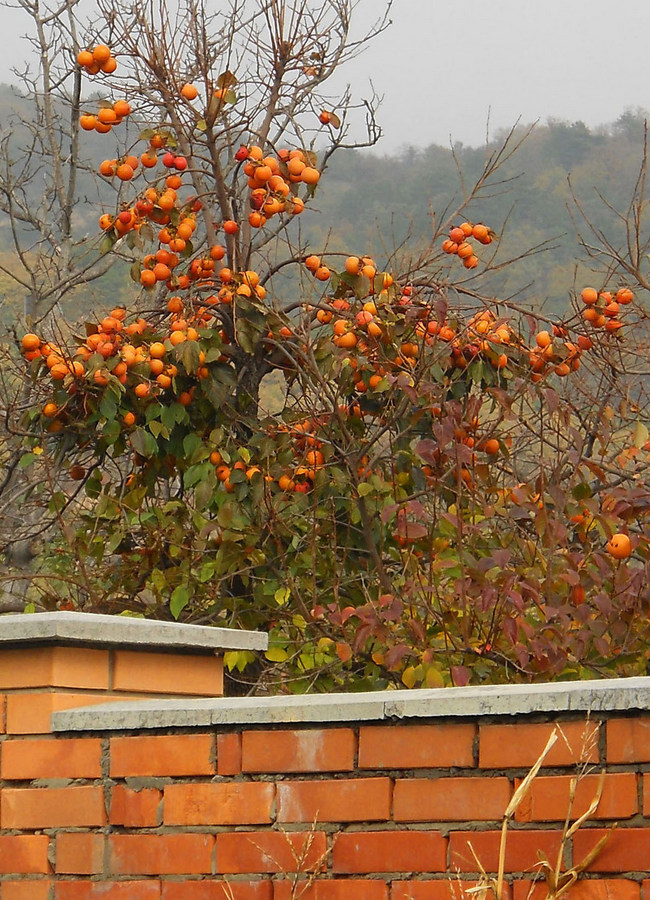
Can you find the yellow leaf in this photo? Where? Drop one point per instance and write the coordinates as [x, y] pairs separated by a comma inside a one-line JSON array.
[[408, 677]]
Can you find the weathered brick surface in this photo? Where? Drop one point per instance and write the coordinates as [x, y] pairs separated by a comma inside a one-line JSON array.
[[79, 853], [160, 854], [519, 746], [522, 849], [228, 754], [450, 799], [416, 746], [389, 851], [269, 851], [135, 808], [32, 808], [627, 850], [218, 890], [26, 890], [333, 889], [233, 803], [178, 755], [340, 800], [24, 854], [107, 890], [50, 758], [587, 889], [443, 888], [628, 740], [549, 797], [309, 750]]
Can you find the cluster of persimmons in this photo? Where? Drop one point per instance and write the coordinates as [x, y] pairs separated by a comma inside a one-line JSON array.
[[386, 332]]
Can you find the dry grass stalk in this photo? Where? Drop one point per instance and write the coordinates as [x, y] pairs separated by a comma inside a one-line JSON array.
[[558, 881]]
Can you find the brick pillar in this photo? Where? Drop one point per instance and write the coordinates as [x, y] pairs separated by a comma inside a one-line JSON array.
[[60, 660]]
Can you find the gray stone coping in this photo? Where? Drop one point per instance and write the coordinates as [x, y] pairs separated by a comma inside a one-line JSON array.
[[462, 702], [94, 630]]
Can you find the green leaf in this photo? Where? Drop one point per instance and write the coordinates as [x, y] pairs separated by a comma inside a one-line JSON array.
[[26, 460], [106, 245], [196, 473], [282, 595], [108, 406], [365, 489], [179, 600], [276, 654], [157, 429], [144, 443], [191, 443], [188, 354]]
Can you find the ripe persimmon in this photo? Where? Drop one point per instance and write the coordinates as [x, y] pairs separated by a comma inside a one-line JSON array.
[[30, 341], [85, 58], [619, 546], [310, 175], [101, 54]]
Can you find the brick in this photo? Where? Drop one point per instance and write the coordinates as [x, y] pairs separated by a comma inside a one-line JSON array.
[[51, 758], [228, 754], [135, 809], [79, 853], [3, 713], [309, 750], [628, 740], [24, 854], [416, 746], [585, 889], [52, 807], [331, 889], [160, 854], [270, 851], [450, 799], [548, 798], [225, 803], [627, 850], [345, 800], [26, 890], [389, 851], [75, 667], [521, 849], [168, 673], [107, 890], [441, 889], [182, 754], [516, 746], [29, 713], [646, 800], [217, 890]]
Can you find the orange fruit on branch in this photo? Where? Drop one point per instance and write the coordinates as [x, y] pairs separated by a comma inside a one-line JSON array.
[[619, 546]]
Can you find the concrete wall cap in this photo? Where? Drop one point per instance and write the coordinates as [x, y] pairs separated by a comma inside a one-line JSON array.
[[461, 702], [92, 629]]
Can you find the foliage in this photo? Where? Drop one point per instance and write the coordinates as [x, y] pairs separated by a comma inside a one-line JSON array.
[[425, 495]]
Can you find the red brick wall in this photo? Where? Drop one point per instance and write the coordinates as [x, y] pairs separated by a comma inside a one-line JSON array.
[[380, 811]]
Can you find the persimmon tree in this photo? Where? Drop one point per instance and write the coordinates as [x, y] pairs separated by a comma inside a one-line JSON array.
[[43, 171], [406, 480]]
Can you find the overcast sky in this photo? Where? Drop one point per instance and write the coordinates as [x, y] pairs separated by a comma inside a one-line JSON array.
[[446, 69]]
